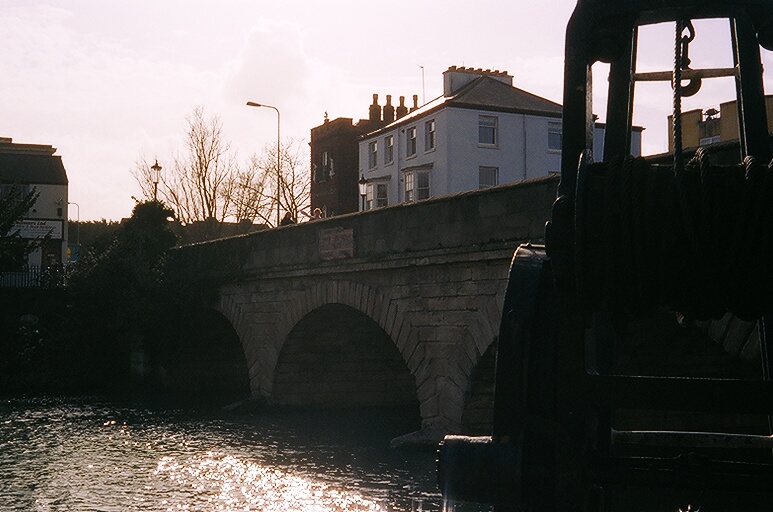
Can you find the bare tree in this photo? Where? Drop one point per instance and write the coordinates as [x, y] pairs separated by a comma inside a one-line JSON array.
[[251, 198], [294, 180], [200, 183], [207, 183]]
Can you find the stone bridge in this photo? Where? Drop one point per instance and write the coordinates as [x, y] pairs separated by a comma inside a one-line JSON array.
[[393, 306]]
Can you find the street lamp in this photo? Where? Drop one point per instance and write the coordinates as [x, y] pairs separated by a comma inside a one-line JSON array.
[[78, 225], [363, 183], [156, 177], [278, 155]]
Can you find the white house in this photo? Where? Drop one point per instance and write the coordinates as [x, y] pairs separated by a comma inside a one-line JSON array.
[[482, 132], [35, 167]]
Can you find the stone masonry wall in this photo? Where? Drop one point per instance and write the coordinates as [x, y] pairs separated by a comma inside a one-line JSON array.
[[431, 275]]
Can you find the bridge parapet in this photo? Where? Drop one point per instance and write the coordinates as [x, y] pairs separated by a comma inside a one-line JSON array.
[[493, 219]]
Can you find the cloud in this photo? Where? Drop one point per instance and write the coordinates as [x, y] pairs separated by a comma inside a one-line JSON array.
[[272, 66]]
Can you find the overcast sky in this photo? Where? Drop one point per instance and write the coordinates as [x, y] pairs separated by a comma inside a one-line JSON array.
[[106, 81]]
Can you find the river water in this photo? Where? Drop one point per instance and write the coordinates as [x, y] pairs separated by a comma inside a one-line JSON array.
[[92, 454]]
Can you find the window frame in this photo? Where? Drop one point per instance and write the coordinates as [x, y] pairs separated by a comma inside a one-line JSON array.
[[373, 154], [372, 197], [555, 128], [705, 141], [493, 128], [430, 135], [411, 145], [369, 196], [380, 199], [484, 168], [389, 149], [412, 185]]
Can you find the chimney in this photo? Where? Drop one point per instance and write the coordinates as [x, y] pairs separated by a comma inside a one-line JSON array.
[[415, 102], [375, 111], [401, 108], [389, 110], [454, 78]]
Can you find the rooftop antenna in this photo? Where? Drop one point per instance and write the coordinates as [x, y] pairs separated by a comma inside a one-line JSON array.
[[423, 96]]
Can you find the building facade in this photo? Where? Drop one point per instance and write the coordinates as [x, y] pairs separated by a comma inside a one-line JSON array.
[[700, 127], [35, 167], [481, 132], [334, 155]]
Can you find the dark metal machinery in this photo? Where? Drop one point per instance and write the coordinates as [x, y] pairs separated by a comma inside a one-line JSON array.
[[628, 237]]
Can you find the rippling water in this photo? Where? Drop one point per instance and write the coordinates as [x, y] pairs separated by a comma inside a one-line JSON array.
[[92, 455]]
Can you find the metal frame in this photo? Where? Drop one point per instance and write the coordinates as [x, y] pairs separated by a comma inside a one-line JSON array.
[[553, 445]]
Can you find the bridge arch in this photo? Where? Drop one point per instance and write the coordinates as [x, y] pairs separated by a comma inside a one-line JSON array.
[[440, 351], [337, 356]]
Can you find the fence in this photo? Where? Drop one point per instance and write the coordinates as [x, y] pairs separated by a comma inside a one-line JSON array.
[[34, 276]]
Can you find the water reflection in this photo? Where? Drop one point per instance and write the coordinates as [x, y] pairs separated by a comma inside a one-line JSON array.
[[87, 454], [228, 483]]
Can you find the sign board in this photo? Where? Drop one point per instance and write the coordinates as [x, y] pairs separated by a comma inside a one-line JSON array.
[[32, 228], [73, 253], [336, 243]]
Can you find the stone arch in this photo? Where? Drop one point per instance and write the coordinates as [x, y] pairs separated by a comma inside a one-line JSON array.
[[361, 297], [204, 359], [440, 349], [336, 356]]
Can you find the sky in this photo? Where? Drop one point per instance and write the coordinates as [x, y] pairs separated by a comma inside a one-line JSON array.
[[108, 83]]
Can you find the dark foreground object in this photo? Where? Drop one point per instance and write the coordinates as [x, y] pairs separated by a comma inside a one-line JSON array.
[[577, 428]]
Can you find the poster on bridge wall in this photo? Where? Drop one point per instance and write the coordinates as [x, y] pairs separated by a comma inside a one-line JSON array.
[[336, 243]]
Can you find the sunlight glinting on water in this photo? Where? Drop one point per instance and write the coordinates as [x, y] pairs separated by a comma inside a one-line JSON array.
[[229, 483]]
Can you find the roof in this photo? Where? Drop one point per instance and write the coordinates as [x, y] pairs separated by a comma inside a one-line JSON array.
[[485, 93], [30, 164]]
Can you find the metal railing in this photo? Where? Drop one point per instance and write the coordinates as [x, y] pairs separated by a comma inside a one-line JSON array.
[[34, 276]]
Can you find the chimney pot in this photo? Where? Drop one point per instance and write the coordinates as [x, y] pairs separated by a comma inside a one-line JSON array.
[[401, 108], [374, 112], [389, 110]]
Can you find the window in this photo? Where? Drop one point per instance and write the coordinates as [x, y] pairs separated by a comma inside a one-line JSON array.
[[416, 186], [389, 149], [709, 140], [382, 195], [369, 196], [555, 137], [487, 130], [409, 187], [410, 147], [429, 135], [372, 154], [376, 196], [422, 185], [325, 168], [488, 177], [20, 191]]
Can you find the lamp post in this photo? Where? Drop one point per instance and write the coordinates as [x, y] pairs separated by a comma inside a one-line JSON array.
[[363, 183], [77, 231], [278, 155], [156, 177]]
